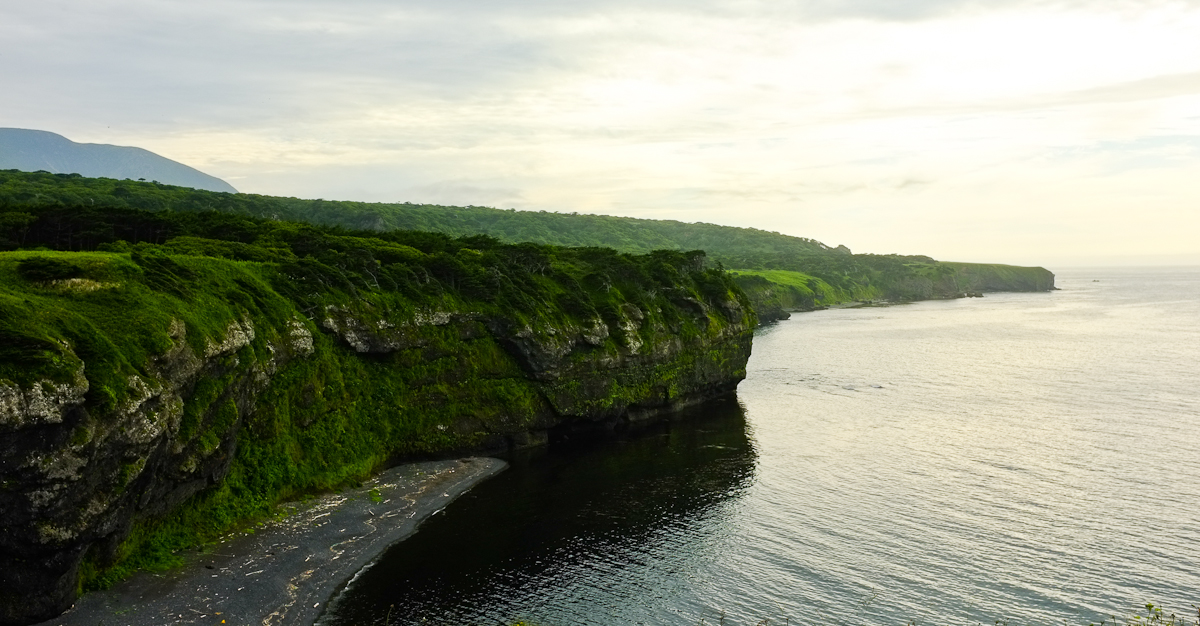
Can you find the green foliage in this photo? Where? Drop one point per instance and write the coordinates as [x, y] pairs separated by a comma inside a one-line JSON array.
[[333, 417], [40, 268], [993, 277], [23, 189], [799, 291], [848, 276], [1153, 616], [236, 250]]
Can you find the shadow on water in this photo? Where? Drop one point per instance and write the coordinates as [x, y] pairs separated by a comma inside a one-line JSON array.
[[582, 531]]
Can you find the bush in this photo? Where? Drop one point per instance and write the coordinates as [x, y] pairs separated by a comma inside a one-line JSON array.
[[42, 269]]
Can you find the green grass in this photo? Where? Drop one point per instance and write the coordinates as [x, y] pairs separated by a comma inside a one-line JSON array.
[[810, 287], [114, 321]]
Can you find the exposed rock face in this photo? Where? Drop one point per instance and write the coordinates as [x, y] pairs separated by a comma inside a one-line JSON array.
[[71, 480], [43, 403], [381, 335], [579, 372], [74, 479]]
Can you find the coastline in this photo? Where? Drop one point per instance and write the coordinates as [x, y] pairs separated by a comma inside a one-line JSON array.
[[286, 570]]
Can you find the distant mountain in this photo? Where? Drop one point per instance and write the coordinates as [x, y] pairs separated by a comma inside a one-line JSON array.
[[33, 150]]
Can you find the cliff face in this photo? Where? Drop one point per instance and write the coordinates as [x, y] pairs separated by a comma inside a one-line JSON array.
[[154, 399], [995, 277], [74, 479], [774, 293]]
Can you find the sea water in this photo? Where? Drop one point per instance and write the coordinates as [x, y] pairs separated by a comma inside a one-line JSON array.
[[1030, 457]]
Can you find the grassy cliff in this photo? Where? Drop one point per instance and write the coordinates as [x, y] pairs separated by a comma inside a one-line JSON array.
[[186, 370], [775, 292]]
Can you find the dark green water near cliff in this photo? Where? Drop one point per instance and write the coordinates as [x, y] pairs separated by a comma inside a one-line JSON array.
[[636, 509], [1031, 457]]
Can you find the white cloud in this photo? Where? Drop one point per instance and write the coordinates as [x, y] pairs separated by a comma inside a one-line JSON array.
[[1003, 130]]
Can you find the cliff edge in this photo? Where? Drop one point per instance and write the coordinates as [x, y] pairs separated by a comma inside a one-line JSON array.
[[152, 394]]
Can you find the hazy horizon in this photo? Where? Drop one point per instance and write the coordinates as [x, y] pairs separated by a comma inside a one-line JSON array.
[[1019, 131]]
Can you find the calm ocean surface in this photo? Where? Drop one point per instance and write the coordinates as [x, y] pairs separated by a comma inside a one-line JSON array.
[[1031, 457]]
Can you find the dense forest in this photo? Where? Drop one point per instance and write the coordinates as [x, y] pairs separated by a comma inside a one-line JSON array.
[[835, 274], [22, 189]]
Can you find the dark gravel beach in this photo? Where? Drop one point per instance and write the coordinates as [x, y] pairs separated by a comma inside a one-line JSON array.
[[285, 571]]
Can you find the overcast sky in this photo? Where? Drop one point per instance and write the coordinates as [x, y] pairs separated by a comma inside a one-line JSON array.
[[1022, 131]]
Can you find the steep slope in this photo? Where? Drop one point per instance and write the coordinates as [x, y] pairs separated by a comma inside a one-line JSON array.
[[153, 395], [776, 292], [34, 150]]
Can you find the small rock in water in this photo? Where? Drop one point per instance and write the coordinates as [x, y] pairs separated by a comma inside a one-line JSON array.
[[877, 386]]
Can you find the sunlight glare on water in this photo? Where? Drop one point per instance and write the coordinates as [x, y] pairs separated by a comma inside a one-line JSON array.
[[1031, 456]]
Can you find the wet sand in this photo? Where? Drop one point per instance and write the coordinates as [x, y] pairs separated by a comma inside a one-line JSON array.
[[284, 572]]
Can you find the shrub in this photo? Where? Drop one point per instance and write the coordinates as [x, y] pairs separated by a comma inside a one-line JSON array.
[[42, 269]]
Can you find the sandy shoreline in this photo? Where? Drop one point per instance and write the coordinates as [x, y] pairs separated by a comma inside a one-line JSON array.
[[285, 571]]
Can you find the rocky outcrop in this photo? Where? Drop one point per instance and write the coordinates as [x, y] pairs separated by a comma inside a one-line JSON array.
[[74, 479], [43, 402]]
